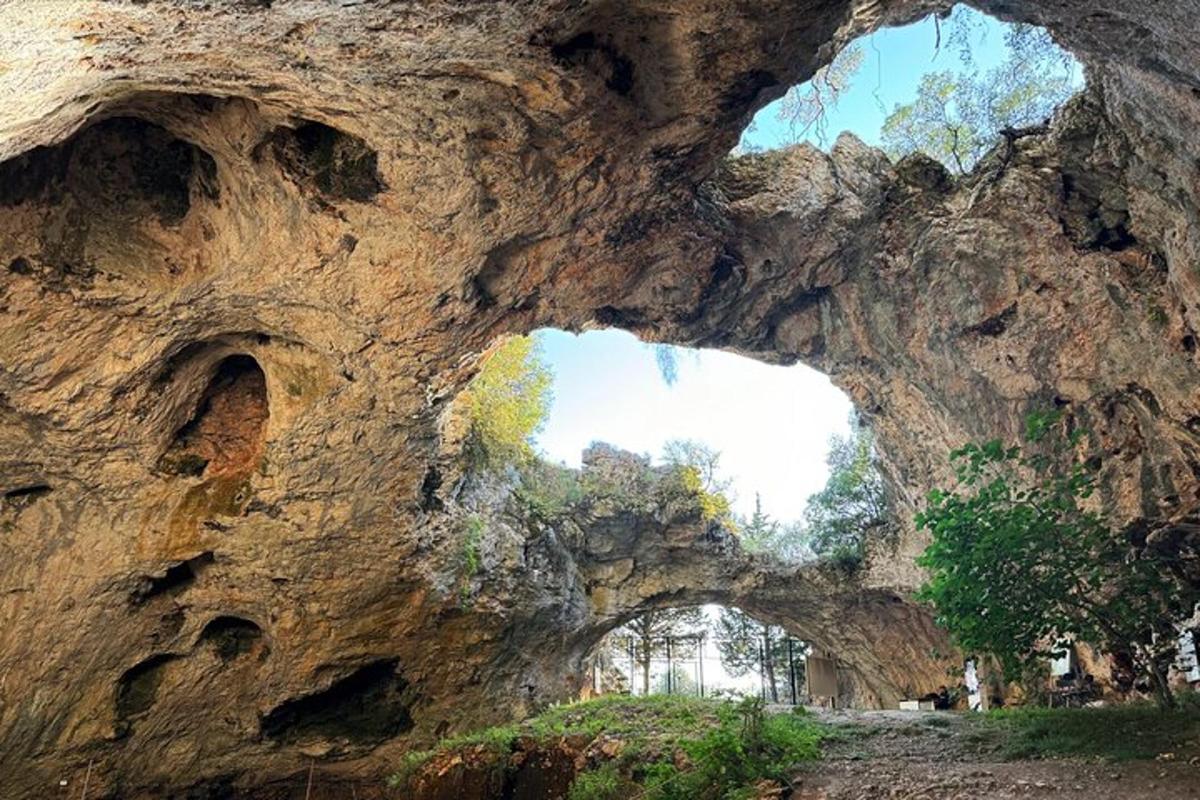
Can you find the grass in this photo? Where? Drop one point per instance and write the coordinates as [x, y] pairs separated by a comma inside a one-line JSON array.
[[673, 747], [1111, 733]]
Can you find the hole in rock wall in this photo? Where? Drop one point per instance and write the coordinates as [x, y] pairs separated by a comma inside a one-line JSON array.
[[328, 162], [368, 706], [24, 496], [114, 170], [137, 689], [948, 86], [759, 437], [707, 651], [174, 580], [225, 435], [231, 637]]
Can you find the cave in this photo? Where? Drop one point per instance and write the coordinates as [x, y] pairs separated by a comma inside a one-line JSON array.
[[384, 193], [364, 707], [225, 434], [231, 637]]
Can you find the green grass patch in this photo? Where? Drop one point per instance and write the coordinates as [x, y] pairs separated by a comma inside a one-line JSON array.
[[1112, 733]]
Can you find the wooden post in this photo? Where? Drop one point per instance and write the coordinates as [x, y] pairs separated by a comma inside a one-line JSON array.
[[87, 778], [762, 673], [670, 667], [792, 669], [700, 664]]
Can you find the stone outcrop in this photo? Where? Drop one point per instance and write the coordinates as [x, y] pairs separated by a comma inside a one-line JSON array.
[[251, 249]]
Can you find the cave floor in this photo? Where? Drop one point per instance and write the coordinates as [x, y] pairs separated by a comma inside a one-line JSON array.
[[950, 756]]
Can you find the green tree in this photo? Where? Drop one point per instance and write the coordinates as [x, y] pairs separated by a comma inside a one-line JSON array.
[[507, 403], [646, 637], [762, 535], [958, 115], [700, 467], [682, 681], [853, 504], [1019, 559], [746, 645]]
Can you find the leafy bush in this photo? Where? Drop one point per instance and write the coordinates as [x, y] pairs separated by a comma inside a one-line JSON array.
[[603, 783], [473, 530], [548, 490], [747, 746], [1017, 560]]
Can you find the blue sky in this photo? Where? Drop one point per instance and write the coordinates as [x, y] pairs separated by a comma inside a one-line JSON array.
[[894, 59], [771, 424]]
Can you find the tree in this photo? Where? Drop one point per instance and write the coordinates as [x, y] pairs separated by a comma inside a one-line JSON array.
[[958, 116], [853, 504], [1019, 561], [759, 534], [747, 645], [806, 106], [682, 682], [647, 634], [507, 403], [700, 467]]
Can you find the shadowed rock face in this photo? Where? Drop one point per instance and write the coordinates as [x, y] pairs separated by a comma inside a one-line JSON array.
[[249, 250]]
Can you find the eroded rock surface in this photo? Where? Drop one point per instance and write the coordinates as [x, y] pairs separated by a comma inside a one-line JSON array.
[[251, 249]]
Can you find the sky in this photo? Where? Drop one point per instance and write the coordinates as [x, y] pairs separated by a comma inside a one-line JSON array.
[[894, 60], [771, 424]]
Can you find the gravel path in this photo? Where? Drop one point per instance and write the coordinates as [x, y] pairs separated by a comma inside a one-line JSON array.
[[939, 756]]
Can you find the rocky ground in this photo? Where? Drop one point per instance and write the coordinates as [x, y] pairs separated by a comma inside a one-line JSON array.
[[945, 756]]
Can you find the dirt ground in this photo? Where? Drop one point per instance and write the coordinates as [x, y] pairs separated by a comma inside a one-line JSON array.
[[940, 756]]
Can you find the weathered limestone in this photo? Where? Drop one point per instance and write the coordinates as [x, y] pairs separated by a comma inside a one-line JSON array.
[[250, 250]]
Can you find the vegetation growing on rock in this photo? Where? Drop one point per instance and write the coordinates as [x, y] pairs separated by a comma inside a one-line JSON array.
[[507, 403], [651, 748]]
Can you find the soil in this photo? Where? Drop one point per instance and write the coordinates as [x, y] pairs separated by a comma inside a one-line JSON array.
[[940, 756]]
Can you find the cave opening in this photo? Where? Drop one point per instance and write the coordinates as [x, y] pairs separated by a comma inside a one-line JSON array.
[[225, 435], [762, 439], [716, 651], [951, 86]]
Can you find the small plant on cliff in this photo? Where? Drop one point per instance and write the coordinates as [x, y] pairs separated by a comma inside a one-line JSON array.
[[507, 403], [1017, 560], [473, 530]]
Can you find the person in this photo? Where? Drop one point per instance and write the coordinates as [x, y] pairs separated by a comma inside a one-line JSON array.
[[942, 701]]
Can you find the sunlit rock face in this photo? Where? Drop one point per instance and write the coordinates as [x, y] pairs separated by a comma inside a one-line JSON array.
[[249, 250]]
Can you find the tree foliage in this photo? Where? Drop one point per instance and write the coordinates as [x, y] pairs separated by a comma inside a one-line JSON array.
[[783, 541], [508, 402], [746, 645], [1019, 559], [699, 467], [958, 115], [805, 107], [853, 504], [647, 636]]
